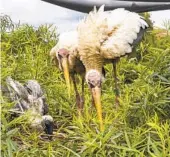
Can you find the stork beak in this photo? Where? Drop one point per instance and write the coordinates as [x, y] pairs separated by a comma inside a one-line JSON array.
[[66, 73], [96, 93]]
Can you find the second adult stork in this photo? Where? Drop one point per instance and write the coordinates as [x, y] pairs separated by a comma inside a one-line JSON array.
[[66, 56], [104, 37]]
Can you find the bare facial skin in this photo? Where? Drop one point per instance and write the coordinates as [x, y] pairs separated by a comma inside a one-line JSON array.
[[63, 55], [94, 80]]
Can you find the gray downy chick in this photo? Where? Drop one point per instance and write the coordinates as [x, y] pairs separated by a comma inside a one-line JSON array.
[[30, 98]]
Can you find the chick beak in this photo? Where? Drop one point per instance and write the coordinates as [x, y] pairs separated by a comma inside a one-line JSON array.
[[66, 73], [96, 93], [49, 128]]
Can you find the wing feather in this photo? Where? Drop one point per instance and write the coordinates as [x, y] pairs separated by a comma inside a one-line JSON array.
[[129, 25], [109, 34]]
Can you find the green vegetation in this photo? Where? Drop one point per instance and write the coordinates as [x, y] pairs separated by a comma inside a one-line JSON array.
[[139, 128]]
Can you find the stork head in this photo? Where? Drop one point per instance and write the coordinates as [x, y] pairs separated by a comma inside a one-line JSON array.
[[63, 57], [94, 80]]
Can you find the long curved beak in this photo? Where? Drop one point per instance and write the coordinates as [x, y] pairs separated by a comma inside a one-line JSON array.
[[96, 93], [65, 66]]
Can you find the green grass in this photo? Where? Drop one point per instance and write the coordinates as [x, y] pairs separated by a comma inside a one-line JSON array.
[[139, 128]]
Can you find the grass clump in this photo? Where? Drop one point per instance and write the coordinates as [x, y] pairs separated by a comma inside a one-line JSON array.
[[139, 128]]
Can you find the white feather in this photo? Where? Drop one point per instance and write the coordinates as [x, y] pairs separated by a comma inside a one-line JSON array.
[[110, 34], [128, 26], [68, 40]]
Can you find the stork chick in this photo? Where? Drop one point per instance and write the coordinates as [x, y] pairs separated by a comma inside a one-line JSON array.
[[30, 98], [103, 38], [66, 56]]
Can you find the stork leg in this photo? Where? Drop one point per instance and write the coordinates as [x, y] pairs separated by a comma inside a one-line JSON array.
[[78, 97], [116, 83], [82, 95], [92, 99]]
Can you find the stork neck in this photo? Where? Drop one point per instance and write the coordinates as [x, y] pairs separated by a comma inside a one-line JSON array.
[[95, 64]]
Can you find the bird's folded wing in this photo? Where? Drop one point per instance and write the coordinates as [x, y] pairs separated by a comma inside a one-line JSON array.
[[18, 88], [124, 28]]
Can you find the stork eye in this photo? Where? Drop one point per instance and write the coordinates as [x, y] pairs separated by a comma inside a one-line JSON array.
[[60, 56]]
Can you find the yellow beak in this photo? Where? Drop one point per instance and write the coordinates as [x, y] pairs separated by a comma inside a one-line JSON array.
[[96, 93], [66, 73]]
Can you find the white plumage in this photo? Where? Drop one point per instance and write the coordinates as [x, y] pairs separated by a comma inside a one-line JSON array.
[[102, 38], [107, 35], [69, 41], [121, 41]]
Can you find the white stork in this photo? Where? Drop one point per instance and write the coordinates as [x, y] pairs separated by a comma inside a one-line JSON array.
[[104, 37]]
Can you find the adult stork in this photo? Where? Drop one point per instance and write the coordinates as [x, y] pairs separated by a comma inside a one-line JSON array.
[[66, 56], [30, 98], [104, 37]]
